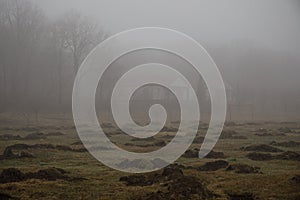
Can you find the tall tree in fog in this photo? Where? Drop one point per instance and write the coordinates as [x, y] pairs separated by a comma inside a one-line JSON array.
[[79, 34]]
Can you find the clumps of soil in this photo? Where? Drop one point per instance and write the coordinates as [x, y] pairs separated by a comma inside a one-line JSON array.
[[55, 134], [50, 174], [285, 130], [296, 179], [194, 153], [9, 154], [231, 134], [289, 155], [142, 164], [191, 153], [243, 169], [8, 151], [198, 140], [214, 166], [169, 129], [77, 143], [286, 144], [107, 125], [156, 143], [175, 185], [242, 196], [10, 137], [35, 136], [136, 180], [5, 196], [230, 123], [261, 148], [264, 134], [29, 129], [259, 156], [15, 175], [215, 155], [11, 175]]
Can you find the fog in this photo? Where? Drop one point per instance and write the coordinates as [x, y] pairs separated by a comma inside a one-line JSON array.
[[255, 44]]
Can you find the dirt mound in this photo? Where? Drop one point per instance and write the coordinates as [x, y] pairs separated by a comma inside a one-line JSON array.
[[289, 155], [169, 173], [191, 153], [175, 185], [296, 179], [14, 175], [286, 144], [29, 129], [5, 196], [263, 134], [50, 174], [10, 137], [8, 154], [136, 180], [198, 140], [42, 146], [35, 136], [214, 166], [55, 134], [142, 164], [194, 153], [156, 143], [77, 143], [11, 175], [227, 134], [285, 130], [215, 155], [259, 156], [231, 134], [169, 129], [243, 169], [242, 196], [261, 148]]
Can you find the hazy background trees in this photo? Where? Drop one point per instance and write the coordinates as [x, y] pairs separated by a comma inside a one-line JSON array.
[[39, 58]]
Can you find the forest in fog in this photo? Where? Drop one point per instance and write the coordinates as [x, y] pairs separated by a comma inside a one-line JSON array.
[[39, 58]]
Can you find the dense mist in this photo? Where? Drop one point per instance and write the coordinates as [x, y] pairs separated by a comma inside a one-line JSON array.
[[257, 49]]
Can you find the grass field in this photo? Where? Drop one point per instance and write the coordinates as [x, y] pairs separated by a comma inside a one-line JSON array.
[[83, 177]]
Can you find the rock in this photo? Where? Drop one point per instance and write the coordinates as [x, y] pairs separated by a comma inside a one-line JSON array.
[[261, 148], [214, 166]]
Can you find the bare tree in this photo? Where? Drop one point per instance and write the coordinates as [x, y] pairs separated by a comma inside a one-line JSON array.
[[79, 34]]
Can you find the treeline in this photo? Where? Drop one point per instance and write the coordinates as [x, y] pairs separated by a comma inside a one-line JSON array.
[[39, 57]]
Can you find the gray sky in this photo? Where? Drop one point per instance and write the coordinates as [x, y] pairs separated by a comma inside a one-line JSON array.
[[265, 23]]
